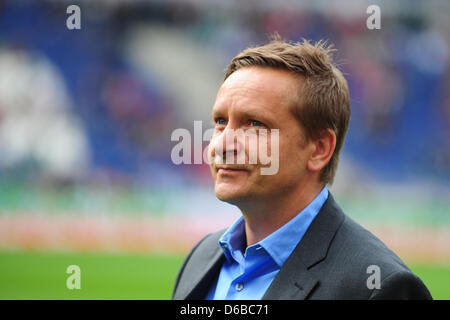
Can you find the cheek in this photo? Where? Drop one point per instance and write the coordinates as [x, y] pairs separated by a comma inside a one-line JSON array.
[[267, 147], [213, 148], [292, 155], [211, 152], [210, 156]]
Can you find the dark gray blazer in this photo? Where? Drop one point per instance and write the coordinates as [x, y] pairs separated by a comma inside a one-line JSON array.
[[330, 262]]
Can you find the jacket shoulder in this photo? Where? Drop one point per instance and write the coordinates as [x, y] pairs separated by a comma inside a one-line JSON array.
[[364, 267]]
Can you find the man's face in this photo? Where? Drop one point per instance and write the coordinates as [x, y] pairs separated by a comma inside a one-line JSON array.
[[254, 99]]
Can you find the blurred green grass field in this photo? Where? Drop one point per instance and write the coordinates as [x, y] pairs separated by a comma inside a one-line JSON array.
[[38, 275]]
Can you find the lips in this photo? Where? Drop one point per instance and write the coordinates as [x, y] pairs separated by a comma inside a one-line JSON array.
[[231, 169]]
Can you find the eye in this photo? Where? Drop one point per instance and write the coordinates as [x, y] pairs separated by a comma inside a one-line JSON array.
[[221, 121], [256, 123]]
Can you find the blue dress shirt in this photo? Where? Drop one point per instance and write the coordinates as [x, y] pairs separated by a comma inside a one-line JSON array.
[[247, 276]]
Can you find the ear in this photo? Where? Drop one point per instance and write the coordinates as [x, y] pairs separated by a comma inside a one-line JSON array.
[[323, 149]]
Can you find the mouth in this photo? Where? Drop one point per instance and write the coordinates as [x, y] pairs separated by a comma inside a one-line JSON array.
[[230, 170]]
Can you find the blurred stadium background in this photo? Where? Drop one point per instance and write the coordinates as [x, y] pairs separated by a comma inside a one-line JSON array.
[[86, 118]]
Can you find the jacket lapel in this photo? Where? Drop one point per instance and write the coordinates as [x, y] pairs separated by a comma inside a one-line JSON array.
[[295, 279], [206, 277], [293, 282]]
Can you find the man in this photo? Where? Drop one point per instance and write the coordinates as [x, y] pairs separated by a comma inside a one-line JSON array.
[[292, 241]]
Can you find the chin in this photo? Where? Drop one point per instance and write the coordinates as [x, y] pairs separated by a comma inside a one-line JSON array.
[[229, 195]]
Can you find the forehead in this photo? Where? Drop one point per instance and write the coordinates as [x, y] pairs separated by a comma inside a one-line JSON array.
[[258, 87]]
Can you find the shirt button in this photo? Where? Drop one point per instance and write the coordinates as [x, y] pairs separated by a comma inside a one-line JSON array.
[[239, 286]]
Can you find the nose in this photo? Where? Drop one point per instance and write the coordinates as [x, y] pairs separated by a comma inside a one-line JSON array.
[[227, 145], [231, 141]]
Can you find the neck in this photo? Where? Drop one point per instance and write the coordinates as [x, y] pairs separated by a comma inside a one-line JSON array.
[[268, 215]]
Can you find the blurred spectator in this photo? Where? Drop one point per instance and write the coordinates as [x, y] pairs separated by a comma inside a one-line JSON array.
[[37, 124]]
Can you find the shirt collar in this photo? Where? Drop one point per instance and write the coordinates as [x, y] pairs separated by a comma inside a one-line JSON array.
[[234, 238], [282, 242]]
